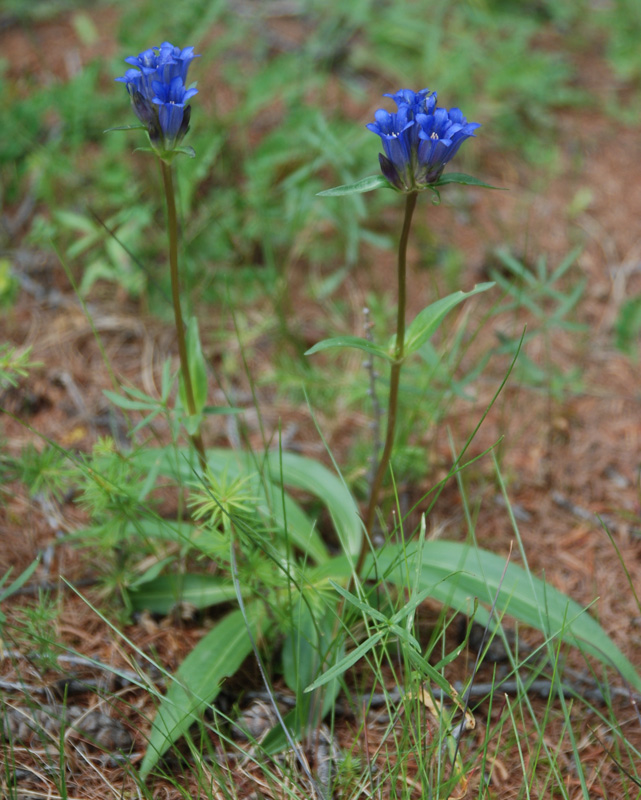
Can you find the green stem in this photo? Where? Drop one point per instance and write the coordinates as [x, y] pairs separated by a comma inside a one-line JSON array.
[[172, 232], [399, 354]]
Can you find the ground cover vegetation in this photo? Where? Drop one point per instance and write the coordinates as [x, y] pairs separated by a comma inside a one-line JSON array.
[[320, 409]]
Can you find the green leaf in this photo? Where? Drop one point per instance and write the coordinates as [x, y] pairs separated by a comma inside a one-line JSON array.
[[162, 594], [345, 663], [428, 671], [199, 678], [192, 423], [350, 341], [464, 577], [151, 573], [17, 583], [464, 180], [276, 740], [364, 185], [197, 371], [428, 320], [458, 574], [311, 644], [127, 404], [355, 601], [314, 477], [126, 128], [222, 410], [156, 528], [186, 150]]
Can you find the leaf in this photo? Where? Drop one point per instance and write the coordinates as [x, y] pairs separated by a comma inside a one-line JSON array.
[[197, 372], [192, 422], [428, 320], [151, 573], [310, 645], [350, 341], [126, 128], [364, 185], [353, 600], [276, 740], [186, 150], [162, 594], [127, 404], [292, 521], [17, 583], [345, 663], [199, 678], [315, 478], [464, 180], [156, 528], [222, 410], [458, 573]]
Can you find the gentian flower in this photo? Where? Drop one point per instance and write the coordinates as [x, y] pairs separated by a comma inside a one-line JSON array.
[[158, 93], [419, 139]]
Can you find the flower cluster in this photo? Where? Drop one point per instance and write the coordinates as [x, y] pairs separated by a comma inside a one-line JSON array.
[[159, 94], [419, 139]]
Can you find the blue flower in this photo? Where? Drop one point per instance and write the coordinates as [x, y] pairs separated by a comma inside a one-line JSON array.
[[173, 115], [159, 95], [419, 139]]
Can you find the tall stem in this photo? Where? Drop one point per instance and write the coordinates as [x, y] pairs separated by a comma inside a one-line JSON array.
[[399, 353], [172, 233]]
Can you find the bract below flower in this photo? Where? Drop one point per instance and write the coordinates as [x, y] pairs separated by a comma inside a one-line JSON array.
[[158, 92], [419, 139]]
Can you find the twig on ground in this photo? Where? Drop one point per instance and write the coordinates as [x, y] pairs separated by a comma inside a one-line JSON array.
[[23, 724], [126, 676], [589, 516]]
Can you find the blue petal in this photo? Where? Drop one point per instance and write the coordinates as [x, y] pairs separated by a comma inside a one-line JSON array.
[[171, 117]]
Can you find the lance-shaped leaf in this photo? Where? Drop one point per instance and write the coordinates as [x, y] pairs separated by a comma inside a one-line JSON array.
[[463, 180], [314, 477], [350, 341], [458, 574], [427, 321], [199, 679], [126, 128], [364, 185], [197, 369], [163, 593], [470, 579]]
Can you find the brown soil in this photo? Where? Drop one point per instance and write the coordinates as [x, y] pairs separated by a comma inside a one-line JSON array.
[[581, 450]]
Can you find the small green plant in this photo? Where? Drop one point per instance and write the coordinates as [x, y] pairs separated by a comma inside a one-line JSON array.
[[33, 629], [45, 471], [15, 585], [269, 555], [15, 363], [539, 292], [627, 327]]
